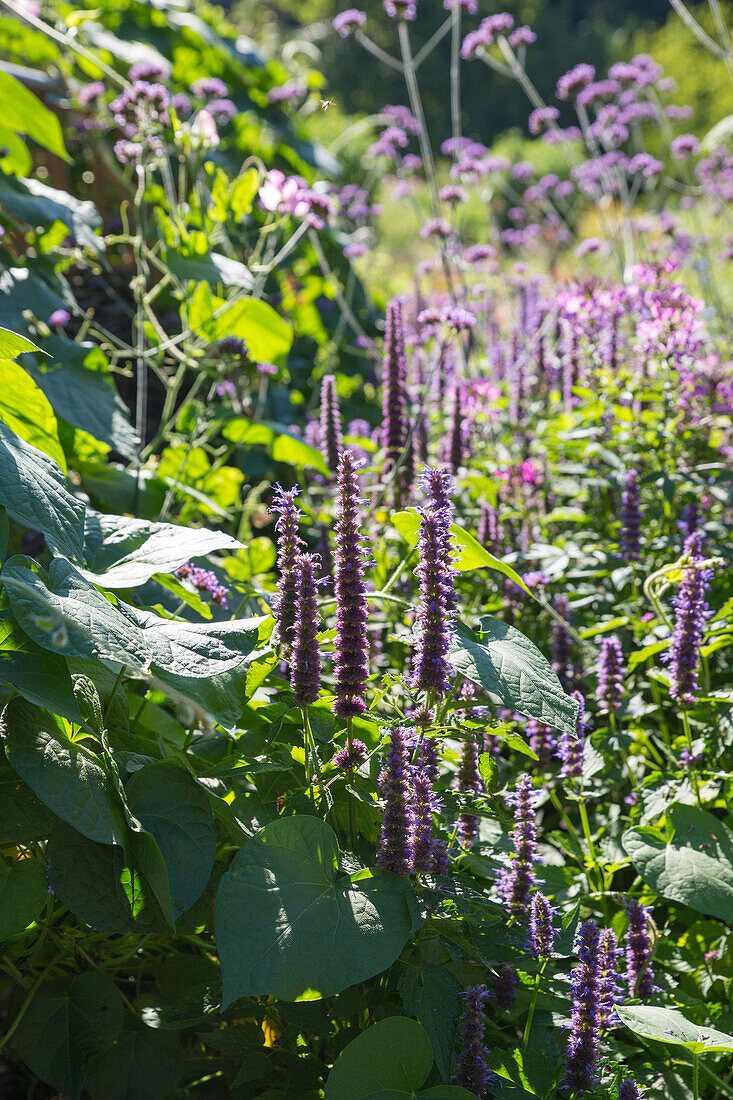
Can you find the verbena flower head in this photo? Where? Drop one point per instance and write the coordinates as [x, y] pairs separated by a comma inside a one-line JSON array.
[[631, 518], [395, 852], [582, 1052], [691, 613], [435, 572], [639, 972], [331, 433], [610, 675], [305, 665], [351, 665], [289, 546], [542, 932], [404, 9], [515, 883], [609, 983], [472, 1072], [350, 20]]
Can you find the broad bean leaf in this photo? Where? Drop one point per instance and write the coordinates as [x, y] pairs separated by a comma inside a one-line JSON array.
[[122, 552], [39, 676], [694, 867], [509, 665], [35, 203], [23, 892], [669, 1026], [433, 995], [25, 410], [12, 344], [86, 398], [66, 776], [470, 554], [64, 1025], [23, 817], [33, 489], [170, 805], [267, 336], [144, 1064], [212, 268], [28, 115], [288, 923], [389, 1061]]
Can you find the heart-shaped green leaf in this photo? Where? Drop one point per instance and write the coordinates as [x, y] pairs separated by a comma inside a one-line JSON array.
[[666, 1025]]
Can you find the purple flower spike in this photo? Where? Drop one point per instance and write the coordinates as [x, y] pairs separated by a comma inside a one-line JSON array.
[[561, 644], [639, 972], [331, 435], [489, 532], [397, 822], [468, 781], [582, 1055], [542, 932], [351, 664], [631, 518], [691, 612], [571, 747], [542, 741], [394, 393], [289, 545], [455, 443], [629, 1090], [435, 572], [515, 884], [472, 1072], [422, 845], [608, 978], [348, 759], [504, 984], [611, 672], [305, 671]]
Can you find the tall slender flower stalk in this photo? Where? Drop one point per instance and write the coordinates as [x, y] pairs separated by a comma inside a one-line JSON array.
[[631, 518], [397, 821], [472, 1072], [515, 884], [608, 977], [435, 572], [582, 1053], [468, 781], [331, 432], [394, 394], [351, 665], [611, 672], [305, 670], [691, 612], [289, 546], [639, 972]]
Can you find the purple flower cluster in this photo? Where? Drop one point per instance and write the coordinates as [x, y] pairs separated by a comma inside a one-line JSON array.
[[582, 1050], [542, 932], [204, 581], [611, 672], [351, 665], [289, 547], [639, 972], [516, 882], [349, 20], [631, 518], [353, 756], [435, 572], [404, 9], [394, 393], [691, 613], [472, 1072], [468, 781], [609, 983], [570, 749], [305, 664], [331, 434], [397, 820]]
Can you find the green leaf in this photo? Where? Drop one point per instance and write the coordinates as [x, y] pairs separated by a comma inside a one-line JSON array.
[[67, 777], [432, 994], [283, 446], [695, 867], [23, 817], [28, 115], [40, 677], [212, 268], [669, 1026], [508, 665], [12, 345], [65, 1024], [26, 411], [144, 1064], [267, 336], [36, 204], [33, 489], [175, 810], [84, 397], [288, 923], [389, 1061], [23, 893], [86, 877], [122, 552], [470, 553]]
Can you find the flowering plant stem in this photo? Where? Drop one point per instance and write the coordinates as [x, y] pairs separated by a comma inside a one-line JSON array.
[[533, 1005], [352, 810]]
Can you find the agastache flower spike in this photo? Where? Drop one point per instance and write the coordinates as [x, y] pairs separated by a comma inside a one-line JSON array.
[[289, 545], [422, 846], [435, 572], [331, 435], [351, 665], [394, 395], [639, 973], [397, 821], [515, 884], [468, 780], [629, 1090], [561, 645], [691, 612], [542, 741], [504, 984], [571, 747], [305, 671], [455, 445], [631, 518], [608, 978], [472, 1072], [582, 1053], [610, 675], [541, 930]]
